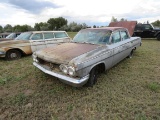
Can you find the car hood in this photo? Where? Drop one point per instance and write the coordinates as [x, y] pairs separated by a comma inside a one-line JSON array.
[[66, 52], [11, 43], [157, 29]]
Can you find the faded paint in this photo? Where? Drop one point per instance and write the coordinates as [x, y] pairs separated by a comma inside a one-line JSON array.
[[130, 25], [66, 52]]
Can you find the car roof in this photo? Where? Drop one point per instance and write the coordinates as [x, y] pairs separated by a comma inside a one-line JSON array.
[[107, 28], [43, 31]]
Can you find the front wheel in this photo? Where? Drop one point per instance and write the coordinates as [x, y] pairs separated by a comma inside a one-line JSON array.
[[158, 37], [13, 55], [130, 55], [92, 77]]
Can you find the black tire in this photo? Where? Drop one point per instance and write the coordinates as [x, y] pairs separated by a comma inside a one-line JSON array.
[[13, 55], [92, 77], [158, 37], [130, 55]]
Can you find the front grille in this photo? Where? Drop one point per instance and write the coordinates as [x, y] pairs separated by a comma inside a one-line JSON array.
[[52, 66]]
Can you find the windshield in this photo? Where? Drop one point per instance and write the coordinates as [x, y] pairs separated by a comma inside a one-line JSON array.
[[24, 36], [95, 36], [10, 36]]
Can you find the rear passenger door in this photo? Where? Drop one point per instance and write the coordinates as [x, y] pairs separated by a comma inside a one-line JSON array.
[[55, 38], [37, 42], [117, 47], [49, 39], [62, 37]]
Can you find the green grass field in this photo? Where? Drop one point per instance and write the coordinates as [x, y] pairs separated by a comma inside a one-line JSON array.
[[128, 91]]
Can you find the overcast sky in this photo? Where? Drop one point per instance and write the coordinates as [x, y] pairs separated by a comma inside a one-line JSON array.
[[91, 12]]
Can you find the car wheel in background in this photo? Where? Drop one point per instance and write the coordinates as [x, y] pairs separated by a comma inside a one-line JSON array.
[[13, 55], [158, 37]]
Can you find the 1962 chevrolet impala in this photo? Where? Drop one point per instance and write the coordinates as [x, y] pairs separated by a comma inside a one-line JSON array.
[[91, 52]]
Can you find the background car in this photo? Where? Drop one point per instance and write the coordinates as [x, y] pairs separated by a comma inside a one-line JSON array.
[[29, 42]]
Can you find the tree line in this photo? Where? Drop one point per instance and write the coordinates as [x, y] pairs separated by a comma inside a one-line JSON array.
[[59, 23]]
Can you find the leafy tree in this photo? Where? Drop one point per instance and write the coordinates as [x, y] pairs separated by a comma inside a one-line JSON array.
[[1, 29], [17, 28], [51, 23], [44, 26], [56, 23], [114, 19], [37, 27], [41, 26], [73, 27], [122, 19], [7, 28], [156, 23], [94, 26], [84, 26]]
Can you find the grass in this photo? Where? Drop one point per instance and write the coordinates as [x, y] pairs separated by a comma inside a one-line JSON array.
[[128, 91]]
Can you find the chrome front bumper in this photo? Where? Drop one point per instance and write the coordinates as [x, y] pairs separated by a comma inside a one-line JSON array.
[[68, 80]]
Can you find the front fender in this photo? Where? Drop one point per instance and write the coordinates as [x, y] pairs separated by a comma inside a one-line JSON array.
[[157, 33]]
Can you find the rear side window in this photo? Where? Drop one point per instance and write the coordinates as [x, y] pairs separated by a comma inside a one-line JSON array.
[[48, 35], [37, 36], [60, 35], [138, 27], [124, 35], [116, 37]]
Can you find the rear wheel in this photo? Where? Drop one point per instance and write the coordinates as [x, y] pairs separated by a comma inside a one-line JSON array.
[[158, 37], [13, 55], [92, 77]]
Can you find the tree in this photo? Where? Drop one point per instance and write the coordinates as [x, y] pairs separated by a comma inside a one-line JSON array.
[[114, 19], [122, 19], [44, 26], [41, 26], [156, 23], [1, 29], [7, 28], [84, 26], [94, 26], [17, 28], [56, 23], [37, 27]]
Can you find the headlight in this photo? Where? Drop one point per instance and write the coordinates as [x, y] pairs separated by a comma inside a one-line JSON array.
[[71, 71], [64, 69], [34, 58], [68, 70]]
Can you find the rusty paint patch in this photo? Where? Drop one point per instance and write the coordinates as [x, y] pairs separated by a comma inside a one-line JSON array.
[[66, 51], [130, 25]]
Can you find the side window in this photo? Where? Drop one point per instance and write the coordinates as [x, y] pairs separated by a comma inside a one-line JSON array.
[[138, 27], [60, 34], [37, 36], [116, 37], [147, 27], [124, 35], [48, 35]]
